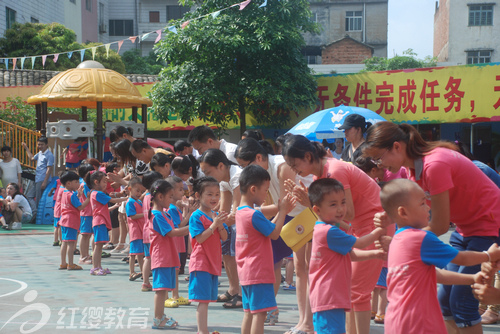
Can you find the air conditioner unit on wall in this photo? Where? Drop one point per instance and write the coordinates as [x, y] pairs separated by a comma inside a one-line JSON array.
[[103, 28]]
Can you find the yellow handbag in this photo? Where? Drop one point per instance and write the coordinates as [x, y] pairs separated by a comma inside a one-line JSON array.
[[299, 230]]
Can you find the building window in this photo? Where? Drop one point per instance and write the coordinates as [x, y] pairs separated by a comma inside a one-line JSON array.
[[478, 57], [154, 17], [353, 20], [72, 1], [10, 15], [480, 15], [88, 5], [176, 12], [121, 27], [33, 20]]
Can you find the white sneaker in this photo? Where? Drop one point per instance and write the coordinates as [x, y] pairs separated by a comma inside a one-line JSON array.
[[119, 248]]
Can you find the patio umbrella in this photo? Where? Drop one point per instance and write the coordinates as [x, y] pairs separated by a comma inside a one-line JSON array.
[[324, 124]]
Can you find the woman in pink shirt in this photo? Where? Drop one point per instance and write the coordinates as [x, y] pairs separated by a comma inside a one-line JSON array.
[[363, 202], [459, 192]]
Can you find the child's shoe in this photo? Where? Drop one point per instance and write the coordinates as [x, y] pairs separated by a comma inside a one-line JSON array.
[[289, 287], [118, 248], [85, 260], [106, 270], [146, 287], [171, 303], [373, 315], [56, 243], [379, 318], [105, 255], [182, 301], [74, 267], [272, 317], [63, 266], [171, 323], [76, 252], [134, 276], [97, 272]]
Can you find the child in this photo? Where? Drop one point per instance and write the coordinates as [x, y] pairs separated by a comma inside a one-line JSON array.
[[70, 218], [207, 230], [147, 180], [74, 153], [57, 212], [331, 256], [135, 220], [164, 257], [180, 219], [413, 257], [101, 223], [253, 247], [85, 216]]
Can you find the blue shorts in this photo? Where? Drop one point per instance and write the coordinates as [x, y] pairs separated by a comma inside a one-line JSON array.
[[101, 235], [382, 279], [146, 250], [72, 164], [329, 321], [226, 245], [136, 247], [457, 301], [203, 287], [68, 233], [258, 298], [164, 278], [86, 225], [56, 221]]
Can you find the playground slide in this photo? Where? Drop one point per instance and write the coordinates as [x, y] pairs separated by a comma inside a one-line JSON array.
[[45, 213]]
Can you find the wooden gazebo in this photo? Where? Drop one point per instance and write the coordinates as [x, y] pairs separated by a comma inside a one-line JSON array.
[[90, 86]]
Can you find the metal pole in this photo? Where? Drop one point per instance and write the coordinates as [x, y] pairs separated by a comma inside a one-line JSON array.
[[145, 120], [99, 132], [134, 114]]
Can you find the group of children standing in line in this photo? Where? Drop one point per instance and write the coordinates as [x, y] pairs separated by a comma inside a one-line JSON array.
[[159, 217]]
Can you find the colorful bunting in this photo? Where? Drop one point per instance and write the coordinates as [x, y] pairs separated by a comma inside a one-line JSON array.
[[159, 36], [107, 49], [14, 62], [244, 4], [120, 43], [173, 29]]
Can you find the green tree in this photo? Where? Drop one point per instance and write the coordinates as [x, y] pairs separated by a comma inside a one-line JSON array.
[[220, 68], [34, 39], [407, 60], [137, 64]]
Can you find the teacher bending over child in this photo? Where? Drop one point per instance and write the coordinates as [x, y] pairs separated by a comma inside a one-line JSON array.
[[459, 193]]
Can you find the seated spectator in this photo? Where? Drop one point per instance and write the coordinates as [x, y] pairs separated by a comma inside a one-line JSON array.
[[17, 204]]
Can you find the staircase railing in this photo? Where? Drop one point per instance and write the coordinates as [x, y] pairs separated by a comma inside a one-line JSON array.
[[13, 135]]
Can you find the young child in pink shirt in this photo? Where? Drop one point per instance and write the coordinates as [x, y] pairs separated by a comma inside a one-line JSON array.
[[414, 255], [206, 229], [70, 218], [253, 247], [135, 220], [331, 255], [59, 189]]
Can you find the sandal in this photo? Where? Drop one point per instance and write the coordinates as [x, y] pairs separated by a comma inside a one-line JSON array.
[[171, 303], [290, 287], [76, 252], [272, 317], [146, 287], [109, 246], [171, 323], [379, 318], [183, 301], [234, 302], [105, 255], [134, 276], [74, 267], [373, 315], [225, 298]]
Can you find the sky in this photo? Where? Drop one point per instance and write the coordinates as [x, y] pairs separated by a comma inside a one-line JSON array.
[[411, 25]]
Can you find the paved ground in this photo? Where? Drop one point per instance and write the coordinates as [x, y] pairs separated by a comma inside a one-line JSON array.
[[34, 293]]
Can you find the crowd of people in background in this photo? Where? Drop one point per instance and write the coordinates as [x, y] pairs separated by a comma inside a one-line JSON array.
[[223, 204]]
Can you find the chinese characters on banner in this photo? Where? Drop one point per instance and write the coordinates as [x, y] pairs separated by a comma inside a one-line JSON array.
[[435, 95]]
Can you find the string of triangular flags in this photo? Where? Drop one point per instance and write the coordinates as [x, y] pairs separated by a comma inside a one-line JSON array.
[[107, 46]]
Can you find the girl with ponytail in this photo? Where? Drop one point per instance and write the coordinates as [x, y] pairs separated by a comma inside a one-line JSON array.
[[459, 193]]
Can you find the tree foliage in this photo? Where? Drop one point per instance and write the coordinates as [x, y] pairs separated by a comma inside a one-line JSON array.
[[34, 39], [221, 67], [137, 64], [406, 61]]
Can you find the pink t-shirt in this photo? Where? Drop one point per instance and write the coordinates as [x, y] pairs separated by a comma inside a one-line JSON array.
[[135, 226], [73, 157], [254, 253], [401, 174], [146, 232], [207, 255], [58, 197], [474, 198], [70, 215], [364, 190], [163, 251], [411, 281], [100, 210], [330, 268]]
